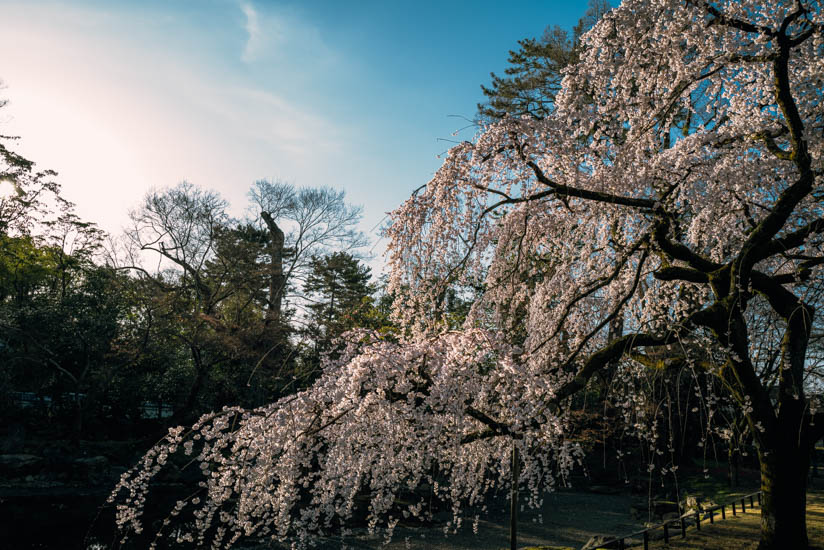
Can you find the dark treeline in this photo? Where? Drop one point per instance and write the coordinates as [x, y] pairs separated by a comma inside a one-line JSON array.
[[106, 341], [187, 311]]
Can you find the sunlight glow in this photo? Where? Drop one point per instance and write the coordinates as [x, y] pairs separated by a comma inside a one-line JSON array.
[[7, 188]]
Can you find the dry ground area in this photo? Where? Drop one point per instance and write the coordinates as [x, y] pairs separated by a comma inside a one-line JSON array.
[[567, 519], [570, 518], [741, 532]]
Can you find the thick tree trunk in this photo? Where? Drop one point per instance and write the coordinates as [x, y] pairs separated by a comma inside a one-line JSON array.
[[784, 498], [277, 280], [733, 470]]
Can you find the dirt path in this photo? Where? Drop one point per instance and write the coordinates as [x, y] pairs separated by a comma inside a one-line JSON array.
[[567, 518]]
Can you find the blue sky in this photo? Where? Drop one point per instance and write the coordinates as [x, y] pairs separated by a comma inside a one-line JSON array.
[[120, 97]]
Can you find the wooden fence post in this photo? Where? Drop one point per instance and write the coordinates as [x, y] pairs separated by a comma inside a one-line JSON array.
[[646, 539], [723, 511], [666, 533], [698, 520], [743, 506]]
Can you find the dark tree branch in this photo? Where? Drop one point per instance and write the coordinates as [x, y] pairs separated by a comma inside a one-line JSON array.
[[562, 190]]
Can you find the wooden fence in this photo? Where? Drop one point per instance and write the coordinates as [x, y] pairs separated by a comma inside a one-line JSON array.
[[683, 522]]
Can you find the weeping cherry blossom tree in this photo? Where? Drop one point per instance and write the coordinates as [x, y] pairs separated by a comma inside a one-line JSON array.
[[668, 206]]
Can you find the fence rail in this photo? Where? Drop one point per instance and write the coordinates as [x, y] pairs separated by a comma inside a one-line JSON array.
[[620, 542]]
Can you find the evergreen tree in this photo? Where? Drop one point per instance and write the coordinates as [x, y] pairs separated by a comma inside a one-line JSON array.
[[339, 291], [535, 72]]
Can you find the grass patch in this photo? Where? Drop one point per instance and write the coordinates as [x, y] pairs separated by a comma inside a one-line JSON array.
[[717, 490]]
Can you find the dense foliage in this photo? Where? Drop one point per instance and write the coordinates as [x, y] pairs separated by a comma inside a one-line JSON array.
[[535, 70], [178, 316]]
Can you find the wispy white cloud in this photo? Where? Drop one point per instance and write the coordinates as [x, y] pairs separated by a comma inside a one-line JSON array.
[[252, 27], [285, 128], [282, 36]]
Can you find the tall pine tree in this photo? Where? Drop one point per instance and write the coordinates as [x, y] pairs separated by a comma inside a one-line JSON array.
[[530, 83], [339, 291]]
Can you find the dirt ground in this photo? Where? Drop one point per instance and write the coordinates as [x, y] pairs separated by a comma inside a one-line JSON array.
[[741, 532]]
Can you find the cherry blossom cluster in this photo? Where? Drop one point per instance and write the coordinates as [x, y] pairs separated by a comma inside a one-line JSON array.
[[383, 421]]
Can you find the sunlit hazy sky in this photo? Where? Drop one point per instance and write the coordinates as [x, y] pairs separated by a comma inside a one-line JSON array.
[[120, 97]]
